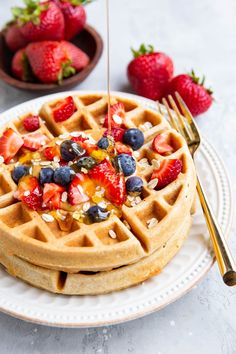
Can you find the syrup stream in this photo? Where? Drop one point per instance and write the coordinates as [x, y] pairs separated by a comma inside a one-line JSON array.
[[108, 66]]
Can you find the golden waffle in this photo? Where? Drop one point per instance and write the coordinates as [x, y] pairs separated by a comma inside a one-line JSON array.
[[88, 283], [26, 235]]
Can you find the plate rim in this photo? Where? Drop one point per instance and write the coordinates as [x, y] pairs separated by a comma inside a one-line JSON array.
[[149, 308]]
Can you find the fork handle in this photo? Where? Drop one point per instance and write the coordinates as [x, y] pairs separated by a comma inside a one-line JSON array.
[[223, 256]]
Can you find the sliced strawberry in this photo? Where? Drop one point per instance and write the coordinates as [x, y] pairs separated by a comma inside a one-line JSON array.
[[167, 173], [81, 189], [52, 196], [31, 123], [10, 144], [29, 192], [106, 176], [117, 113], [116, 132], [84, 143], [123, 149], [160, 145], [51, 151], [64, 109], [35, 141]]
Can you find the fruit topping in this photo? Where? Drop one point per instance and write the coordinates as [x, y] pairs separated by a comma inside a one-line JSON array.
[[10, 144], [122, 148], [29, 192], [103, 143], [97, 214], [161, 146], [192, 90], [63, 175], [64, 109], [81, 189], [70, 150], [18, 172], [117, 113], [106, 176], [35, 141], [167, 172], [134, 185], [52, 196], [86, 162], [46, 175], [31, 123], [116, 133], [134, 138], [99, 155], [149, 72], [125, 163], [51, 151]]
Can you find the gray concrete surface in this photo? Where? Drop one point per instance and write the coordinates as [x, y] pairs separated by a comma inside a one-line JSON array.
[[199, 34]]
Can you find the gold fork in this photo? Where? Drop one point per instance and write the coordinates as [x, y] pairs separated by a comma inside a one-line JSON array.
[[184, 123]]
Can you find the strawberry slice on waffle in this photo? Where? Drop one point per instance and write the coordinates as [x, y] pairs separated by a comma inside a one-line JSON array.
[[117, 113], [10, 144], [29, 192], [167, 172]]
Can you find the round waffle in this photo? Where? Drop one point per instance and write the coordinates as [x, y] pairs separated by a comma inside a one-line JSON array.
[[25, 236]]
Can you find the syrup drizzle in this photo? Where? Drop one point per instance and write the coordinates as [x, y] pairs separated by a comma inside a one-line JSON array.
[[108, 66]]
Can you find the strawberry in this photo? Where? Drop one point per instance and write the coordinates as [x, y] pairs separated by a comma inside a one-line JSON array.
[[14, 38], [29, 192], [52, 196], [149, 72], [160, 145], [20, 66], [31, 123], [77, 57], [85, 144], [192, 90], [106, 176], [167, 173], [123, 149], [40, 21], [116, 133], [35, 141], [10, 144], [49, 62], [74, 15], [81, 189], [64, 109], [51, 151], [117, 113]]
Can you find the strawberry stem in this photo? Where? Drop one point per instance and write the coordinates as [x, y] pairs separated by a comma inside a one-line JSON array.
[[78, 2], [197, 81], [31, 13], [143, 49], [66, 71]]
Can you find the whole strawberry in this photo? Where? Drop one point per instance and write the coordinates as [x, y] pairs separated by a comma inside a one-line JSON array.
[[192, 90], [74, 15], [49, 61], [40, 21], [150, 72], [14, 38], [78, 58], [20, 66]]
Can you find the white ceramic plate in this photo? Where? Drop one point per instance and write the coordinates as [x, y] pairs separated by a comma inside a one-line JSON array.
[[183, 272]]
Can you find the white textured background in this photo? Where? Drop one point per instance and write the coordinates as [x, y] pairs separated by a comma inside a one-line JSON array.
[[199, 34]]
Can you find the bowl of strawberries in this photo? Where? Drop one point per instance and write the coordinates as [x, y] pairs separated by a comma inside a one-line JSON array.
[[48, 45]]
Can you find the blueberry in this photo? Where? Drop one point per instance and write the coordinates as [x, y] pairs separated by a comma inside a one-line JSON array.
[[97, 214], [134, 138], [134, 185], [19, 172], [46, 175], [103, 143], [87, 162], [63, 175], [126, 164], [70, 150]]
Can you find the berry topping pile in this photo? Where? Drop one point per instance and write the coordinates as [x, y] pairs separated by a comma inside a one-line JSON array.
[[74, 176]]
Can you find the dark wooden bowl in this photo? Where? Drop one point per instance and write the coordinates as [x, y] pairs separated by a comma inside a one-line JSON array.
[[89, 40]]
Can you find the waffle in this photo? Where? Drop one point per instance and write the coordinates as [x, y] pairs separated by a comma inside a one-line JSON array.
[[28, 240], [88, 283]]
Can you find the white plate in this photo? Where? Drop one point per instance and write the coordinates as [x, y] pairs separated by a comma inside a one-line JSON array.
[[182, 273]]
